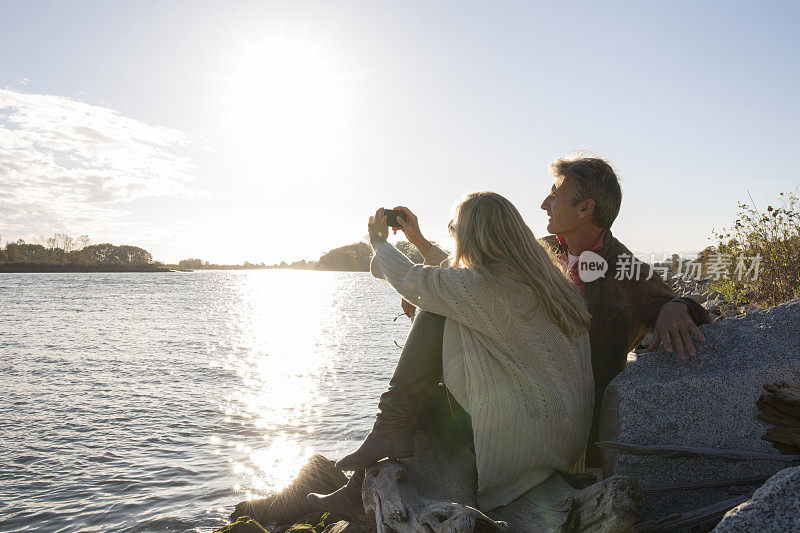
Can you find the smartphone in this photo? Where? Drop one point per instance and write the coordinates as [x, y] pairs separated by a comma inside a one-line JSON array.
[[391, 217]]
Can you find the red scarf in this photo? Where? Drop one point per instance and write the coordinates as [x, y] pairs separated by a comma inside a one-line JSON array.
[[573, 272]]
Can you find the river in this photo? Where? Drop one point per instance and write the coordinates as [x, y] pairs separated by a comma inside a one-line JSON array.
[[157, 401]]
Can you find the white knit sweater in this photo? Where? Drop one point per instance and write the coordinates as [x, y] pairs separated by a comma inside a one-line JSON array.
[[527, 387]]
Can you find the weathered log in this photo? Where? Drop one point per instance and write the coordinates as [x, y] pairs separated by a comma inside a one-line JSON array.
[[779, 405], [692, 451], [785, 393], [696, 517], [434, 491], [750, 480]]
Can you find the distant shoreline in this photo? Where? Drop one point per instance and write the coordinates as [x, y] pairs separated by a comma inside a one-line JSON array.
[[62, 254], [33, 268], [55, 269]]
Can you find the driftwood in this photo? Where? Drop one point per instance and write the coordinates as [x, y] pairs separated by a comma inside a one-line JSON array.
[[733, 482], [691, 451], [434, 491], [696, 517], [703, 515], [779, 405]]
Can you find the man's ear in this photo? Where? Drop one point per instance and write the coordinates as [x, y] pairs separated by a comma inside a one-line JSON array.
[[587, 209]]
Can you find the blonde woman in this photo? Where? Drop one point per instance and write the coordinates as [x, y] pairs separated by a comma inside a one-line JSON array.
[[515, 352]]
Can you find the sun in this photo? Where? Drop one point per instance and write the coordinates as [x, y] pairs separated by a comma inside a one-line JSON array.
[[287, 133], [286, 95]]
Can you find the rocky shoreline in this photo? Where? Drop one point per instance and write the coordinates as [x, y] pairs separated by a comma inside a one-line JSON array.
[[702, 292]]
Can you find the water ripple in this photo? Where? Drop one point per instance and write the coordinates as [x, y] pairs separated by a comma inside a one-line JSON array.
[[155, 402]]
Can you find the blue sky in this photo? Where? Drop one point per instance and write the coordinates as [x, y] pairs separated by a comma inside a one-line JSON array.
[[265, 131]]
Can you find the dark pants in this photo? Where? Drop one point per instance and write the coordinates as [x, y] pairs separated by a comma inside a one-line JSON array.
[[416, 398]]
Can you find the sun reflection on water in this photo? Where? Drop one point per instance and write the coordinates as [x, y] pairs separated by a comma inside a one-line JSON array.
[[284, 336]]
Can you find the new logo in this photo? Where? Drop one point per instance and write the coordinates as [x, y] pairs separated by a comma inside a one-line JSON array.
[[591, 266]]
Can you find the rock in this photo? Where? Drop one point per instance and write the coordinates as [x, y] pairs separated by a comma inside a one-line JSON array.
[[709, 401], [290, 505], [774, 507], [699, 298], [349, 527], [646, 341]]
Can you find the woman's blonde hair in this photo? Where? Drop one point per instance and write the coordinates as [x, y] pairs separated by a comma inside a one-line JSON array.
[[492, 239]]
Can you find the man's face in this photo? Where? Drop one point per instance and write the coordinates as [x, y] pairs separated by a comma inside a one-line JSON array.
[[563, 216]]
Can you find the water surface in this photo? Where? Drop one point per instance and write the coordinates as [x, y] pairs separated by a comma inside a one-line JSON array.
[[156, 401]]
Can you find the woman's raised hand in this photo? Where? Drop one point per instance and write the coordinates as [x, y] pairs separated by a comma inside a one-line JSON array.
[[377, 228], [410, 227]]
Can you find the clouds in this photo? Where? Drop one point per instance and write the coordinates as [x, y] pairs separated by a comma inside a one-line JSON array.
[[66, 164]]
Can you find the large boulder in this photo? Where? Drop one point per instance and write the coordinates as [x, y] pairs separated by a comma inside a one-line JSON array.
[[709, 402], [774, 507]]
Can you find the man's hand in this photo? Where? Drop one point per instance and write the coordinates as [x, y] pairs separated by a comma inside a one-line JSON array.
[[410, 226], [674, 328], [408, 308]]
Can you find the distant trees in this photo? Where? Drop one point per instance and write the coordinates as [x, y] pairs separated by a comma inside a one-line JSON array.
[[65, 243], [350, 258], [410, 251], [299, 265], [191, 263], [116, 255], [356, 257], [61, 249]]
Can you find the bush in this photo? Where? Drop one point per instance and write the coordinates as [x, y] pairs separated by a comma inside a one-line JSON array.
[[772, 240]]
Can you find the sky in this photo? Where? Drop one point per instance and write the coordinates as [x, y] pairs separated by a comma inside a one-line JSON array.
[[269, 131]]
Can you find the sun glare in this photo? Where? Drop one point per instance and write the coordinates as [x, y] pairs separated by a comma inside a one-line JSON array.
[[286, 96]]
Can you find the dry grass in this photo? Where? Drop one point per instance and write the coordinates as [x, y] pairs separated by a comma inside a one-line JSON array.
[[772, 235]]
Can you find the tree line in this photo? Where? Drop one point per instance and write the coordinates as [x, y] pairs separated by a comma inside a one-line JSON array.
[[356, 257], [63, 250], [349, 258]]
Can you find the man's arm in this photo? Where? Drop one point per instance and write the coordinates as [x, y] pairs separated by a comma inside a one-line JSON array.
[[674, 320], [698, 313]]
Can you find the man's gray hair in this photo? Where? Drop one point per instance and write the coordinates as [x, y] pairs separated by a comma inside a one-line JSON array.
[[593, 178]]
